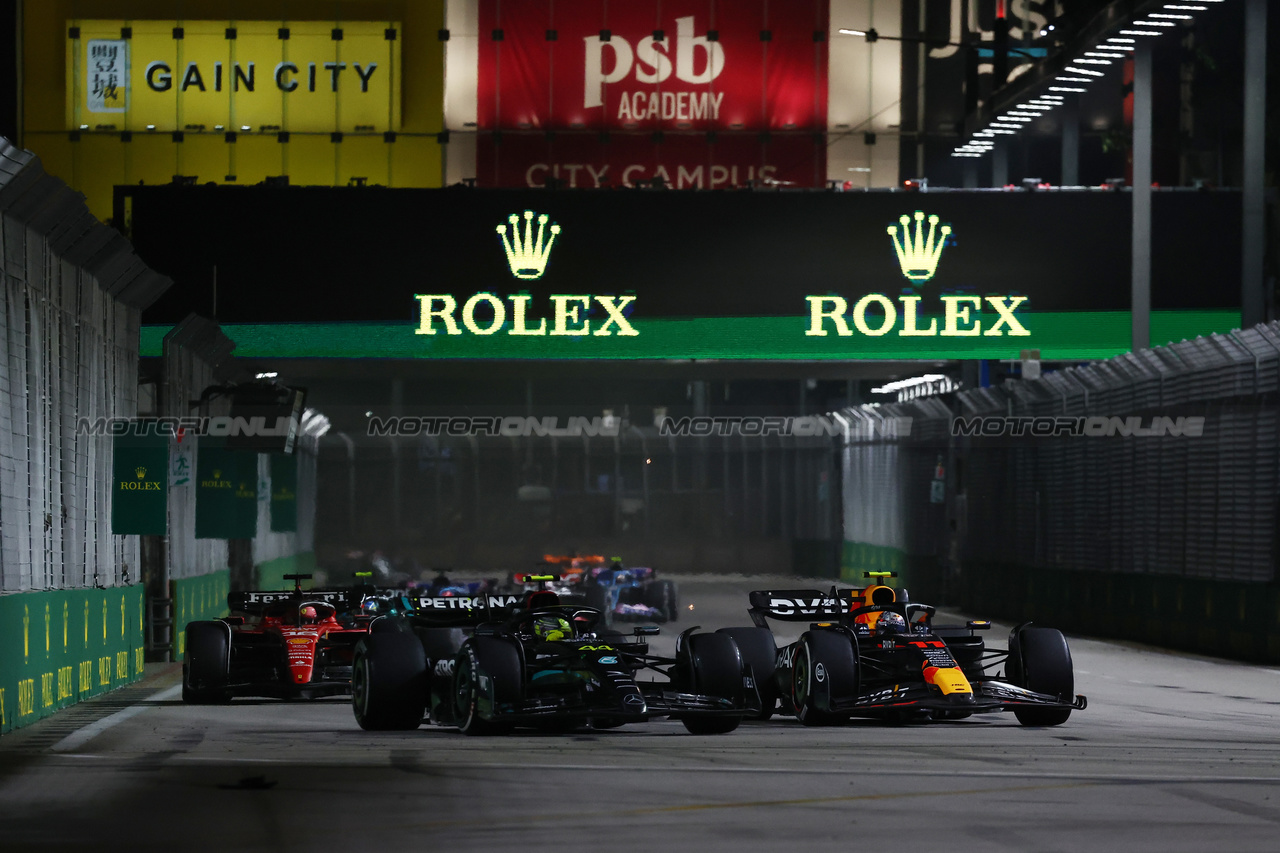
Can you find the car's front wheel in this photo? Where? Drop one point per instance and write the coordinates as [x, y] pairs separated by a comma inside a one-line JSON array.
[[1044, 664], [485, 664]]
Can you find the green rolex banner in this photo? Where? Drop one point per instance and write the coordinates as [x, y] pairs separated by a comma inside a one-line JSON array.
[[226, 491], [284, 492], [139, 485], [246, 494]]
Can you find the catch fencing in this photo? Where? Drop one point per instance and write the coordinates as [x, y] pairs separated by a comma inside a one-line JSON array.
[[73, 291], [1133, 488]]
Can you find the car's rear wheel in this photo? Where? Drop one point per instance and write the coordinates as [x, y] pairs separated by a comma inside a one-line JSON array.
[[824, 659], [1045, 667], [662, 594], [497, 660], [715, 669], [389, 682], [760, 652], [207, 664]]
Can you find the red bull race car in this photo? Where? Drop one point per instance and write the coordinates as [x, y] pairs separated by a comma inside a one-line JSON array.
[[873, 652], [287, 644]]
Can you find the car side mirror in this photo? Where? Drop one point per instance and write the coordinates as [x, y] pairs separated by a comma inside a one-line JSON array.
[[646, 630]]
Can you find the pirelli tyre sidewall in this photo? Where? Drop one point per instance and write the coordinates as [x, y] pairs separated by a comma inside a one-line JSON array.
[[1044, 667], [759, 652], [207, 663], [389, 682], [715, 669], [486, 668], [825, 667]]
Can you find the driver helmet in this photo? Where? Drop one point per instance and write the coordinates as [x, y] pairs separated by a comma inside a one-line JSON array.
[[308, 614], [891, 623], [369, 606], [550, 628]]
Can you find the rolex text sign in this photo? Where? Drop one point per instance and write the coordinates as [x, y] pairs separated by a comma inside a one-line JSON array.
[[226, 491], [139, 485]]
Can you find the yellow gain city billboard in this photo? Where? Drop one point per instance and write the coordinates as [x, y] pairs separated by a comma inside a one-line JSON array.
[[233, 75]]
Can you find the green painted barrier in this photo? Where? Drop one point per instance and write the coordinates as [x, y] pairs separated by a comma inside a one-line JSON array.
[[203, 597], [61, 647], [271, 573]]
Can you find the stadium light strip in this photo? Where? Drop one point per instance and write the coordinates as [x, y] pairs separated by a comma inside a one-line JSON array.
[[1114, 47]]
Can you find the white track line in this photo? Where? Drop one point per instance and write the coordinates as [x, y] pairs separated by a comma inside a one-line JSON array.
[[82, 736]]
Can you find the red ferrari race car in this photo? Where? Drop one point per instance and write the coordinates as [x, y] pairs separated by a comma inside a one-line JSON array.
[[288, 644]]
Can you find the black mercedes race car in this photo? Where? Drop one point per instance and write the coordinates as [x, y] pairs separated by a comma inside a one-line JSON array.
[[873, 653], [531, 661]]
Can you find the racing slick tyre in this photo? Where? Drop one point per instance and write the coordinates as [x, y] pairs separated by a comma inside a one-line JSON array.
[[500, 661], [823, 659], [715, 667], [389, 682], [1044, 667], [663, 596], [598, 598], [759, 652], [208, 661]]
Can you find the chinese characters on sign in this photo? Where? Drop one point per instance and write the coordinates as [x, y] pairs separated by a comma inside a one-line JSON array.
[[108, 75]]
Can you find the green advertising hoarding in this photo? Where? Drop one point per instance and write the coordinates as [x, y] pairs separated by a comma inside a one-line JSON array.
[[139, 485], [512, 274], [226, 491], [284, 493]]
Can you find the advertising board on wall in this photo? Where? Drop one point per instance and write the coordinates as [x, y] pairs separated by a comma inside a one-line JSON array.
[[233, 75], [697, 93], [547, 275]]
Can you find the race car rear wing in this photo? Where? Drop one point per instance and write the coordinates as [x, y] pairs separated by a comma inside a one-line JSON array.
[[460, 610], [258, 600], [801, 605]]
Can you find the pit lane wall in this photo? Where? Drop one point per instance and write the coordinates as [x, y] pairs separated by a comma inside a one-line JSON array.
[[64, 646]]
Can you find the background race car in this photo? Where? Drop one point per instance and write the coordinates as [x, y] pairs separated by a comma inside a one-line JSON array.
[[873, 653], [621, 593], [631, 593], [288, 644], [532, 661]]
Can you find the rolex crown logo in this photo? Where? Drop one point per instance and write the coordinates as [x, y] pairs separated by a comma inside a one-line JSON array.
[[217, 475], [527, 253], [919, 256], [140, 471]]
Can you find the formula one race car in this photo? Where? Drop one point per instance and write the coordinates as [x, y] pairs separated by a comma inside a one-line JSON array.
[[873, 653], [532, 661], [621, 593], [631, 593], [287, 644]]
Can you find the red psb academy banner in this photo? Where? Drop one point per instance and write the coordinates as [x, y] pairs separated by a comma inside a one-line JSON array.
[[652, 88]]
